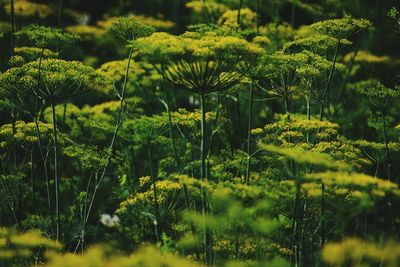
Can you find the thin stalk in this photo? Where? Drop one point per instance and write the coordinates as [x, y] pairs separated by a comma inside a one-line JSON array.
[[10, 204], [44, 159], [292, 14], [295, 225], [155, 195], [389, 165], [12, 26], [238, 115], [321, 110], [286, 100], [65, 111], [56, 177], [206, 12], [376, 168], [203, 138], [59, 20], [258, 16], [308, 116], [237, 244], [32, 179], [170, 124], [173, 142], [60, 11], [322, 242], [239, 10], [249, 126], [345, 80], [116, 129], [203, 176], [328, 83]]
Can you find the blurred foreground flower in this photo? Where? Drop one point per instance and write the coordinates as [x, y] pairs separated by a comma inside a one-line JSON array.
[[109, 221]]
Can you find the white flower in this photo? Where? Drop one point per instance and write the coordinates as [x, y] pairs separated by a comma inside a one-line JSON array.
[[109, 221], [106, 220], [115, 219]]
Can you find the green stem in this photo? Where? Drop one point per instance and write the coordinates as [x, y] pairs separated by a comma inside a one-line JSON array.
[[203, 176], [295, 224], [203, 138], [322, 215], [388, 160], [206, 12], [32, 180], [327, 87], [44, 159], [308, 116], [114, 137], [56, 177], [293, 15], [10, 203], [170, 124], [155, 195], [258, 17], [286, 99], [12, 26], [249, 126], [239, 10]]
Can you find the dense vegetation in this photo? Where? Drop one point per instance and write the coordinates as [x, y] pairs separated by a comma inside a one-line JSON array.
[[199, 133]]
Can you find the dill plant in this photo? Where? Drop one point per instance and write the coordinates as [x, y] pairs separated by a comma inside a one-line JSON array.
[[163, 145], [128, 30], [58, 80], [339, 29], [381, 98]]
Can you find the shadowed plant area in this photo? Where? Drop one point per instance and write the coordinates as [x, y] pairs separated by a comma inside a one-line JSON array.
[[200, 133]]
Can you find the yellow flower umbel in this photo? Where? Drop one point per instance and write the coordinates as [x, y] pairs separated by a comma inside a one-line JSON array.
[[25, 8], [354, 252], [18, 246]]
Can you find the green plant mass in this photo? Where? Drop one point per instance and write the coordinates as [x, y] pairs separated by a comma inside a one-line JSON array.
[[200, 133]]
